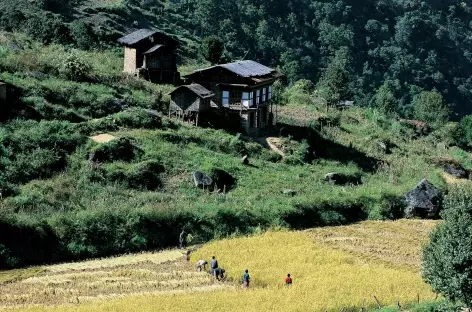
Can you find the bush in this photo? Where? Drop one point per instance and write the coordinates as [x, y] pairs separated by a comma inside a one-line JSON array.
[[463, 134], [141, 176], [448, 256], [122, 149], [75, 68]]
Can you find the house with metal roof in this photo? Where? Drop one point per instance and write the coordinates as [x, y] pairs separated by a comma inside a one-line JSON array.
[[151, 55], [242, 93]]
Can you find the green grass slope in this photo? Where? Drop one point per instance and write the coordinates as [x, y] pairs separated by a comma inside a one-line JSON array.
[[65, 197]]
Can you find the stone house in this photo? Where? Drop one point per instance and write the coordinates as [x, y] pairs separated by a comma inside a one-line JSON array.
[[242, 93], [151, 55]]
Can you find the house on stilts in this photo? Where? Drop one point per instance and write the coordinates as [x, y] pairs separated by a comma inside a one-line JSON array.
[[151, 54], [236, 95]]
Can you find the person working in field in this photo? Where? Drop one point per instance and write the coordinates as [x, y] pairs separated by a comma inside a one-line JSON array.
[[219, 273], [182, 239], [201, 264], [213, 265], [246, 279], [288, 280]]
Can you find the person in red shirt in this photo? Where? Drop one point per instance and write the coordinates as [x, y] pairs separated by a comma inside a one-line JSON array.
[[288, 280]]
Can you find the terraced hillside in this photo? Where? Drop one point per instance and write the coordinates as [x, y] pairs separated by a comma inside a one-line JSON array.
[[332, 267]]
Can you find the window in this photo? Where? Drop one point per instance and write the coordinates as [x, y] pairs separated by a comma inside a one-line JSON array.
[[270, 92], [264, 94], [246, 98], [225, 98], [258, 97]]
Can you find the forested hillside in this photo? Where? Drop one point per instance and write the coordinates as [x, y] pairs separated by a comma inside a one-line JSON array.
[[386, 52]]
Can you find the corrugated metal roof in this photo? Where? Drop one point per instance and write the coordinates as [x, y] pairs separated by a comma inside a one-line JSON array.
[[136, 36], [199, 90], [245, 69], [154, 48], [248, 68]]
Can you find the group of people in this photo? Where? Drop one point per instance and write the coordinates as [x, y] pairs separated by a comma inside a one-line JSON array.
[[215, 270], [219, 273]]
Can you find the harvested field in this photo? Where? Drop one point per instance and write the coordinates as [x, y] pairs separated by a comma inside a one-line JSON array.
[[333, 268]]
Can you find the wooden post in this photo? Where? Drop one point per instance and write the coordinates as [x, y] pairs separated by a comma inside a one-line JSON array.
[[418, 298], [162, 66], [378, 303], [196, 122]]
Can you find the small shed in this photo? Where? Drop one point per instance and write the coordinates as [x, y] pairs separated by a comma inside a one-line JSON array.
[[188, 101], [3, 92]]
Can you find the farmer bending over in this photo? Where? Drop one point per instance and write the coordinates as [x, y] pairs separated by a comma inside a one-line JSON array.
[[220, 273], [201, 264]]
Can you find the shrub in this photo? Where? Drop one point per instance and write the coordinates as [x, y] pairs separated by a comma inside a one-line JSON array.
[[141, 176], [463, 134], [448, 256], [122, 149], [75, 68]]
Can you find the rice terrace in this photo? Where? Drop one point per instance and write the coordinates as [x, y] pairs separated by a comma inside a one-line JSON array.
[[333, 268]]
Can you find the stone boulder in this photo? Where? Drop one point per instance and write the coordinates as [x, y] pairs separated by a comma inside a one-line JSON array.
[[459, 173], [424, 201], [342, 179], [202, 180]]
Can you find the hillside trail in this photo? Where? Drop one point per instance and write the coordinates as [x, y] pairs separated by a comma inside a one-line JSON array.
[[269, 142], [166, 272]]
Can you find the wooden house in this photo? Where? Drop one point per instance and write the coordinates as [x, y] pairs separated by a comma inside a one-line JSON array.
[[242, 93], [189, 101], [151, 55]]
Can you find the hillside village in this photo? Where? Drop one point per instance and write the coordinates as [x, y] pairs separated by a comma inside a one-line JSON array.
[[142, 143]]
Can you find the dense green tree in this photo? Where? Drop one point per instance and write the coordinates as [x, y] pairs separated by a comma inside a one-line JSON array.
[[385, 99], [83, 35], [334, 84], [464, 132], [212, 49], [429, 106], [447, 264]]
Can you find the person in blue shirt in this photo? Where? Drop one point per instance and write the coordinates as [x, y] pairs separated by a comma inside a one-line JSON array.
[[246, 279]]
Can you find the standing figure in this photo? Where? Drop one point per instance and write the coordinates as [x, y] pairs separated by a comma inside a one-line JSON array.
[[182, 239], [213, 265], [201, 264], [246, 279], [288, 280]]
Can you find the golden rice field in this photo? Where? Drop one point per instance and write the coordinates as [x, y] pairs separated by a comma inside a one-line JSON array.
[[332, 268]]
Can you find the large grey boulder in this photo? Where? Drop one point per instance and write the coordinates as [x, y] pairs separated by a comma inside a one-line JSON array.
[[202, 180], [424, 201]]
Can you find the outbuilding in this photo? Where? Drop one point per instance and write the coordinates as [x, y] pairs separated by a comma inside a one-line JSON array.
[[189, 101]]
